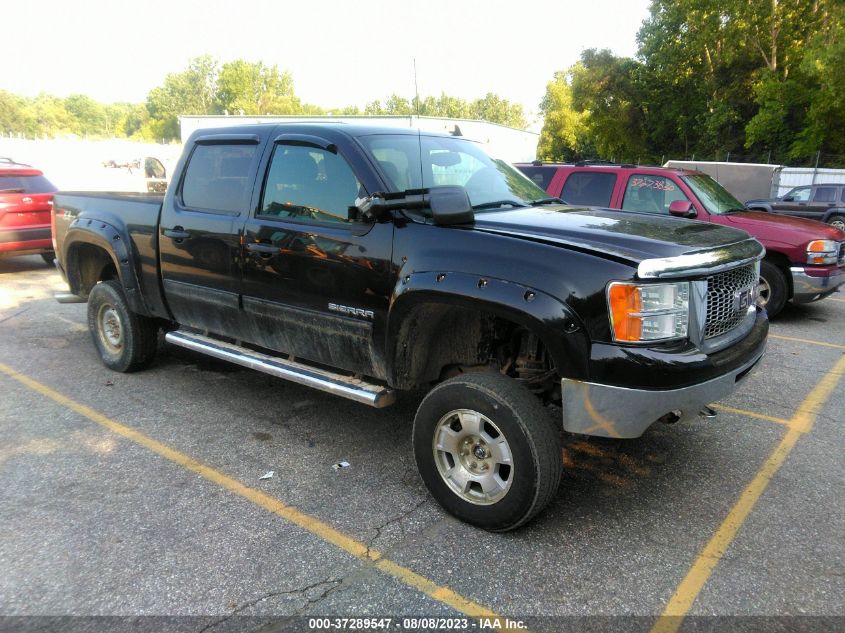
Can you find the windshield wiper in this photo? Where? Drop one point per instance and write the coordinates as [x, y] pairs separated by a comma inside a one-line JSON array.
[[735, 210], [499, 203], [12, 190], [541, 201]]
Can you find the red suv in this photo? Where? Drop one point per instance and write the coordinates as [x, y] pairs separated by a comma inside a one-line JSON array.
[[805, 259], [25, 197]]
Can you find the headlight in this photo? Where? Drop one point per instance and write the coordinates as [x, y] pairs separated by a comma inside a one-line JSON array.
[[648, 312], [822, 252]]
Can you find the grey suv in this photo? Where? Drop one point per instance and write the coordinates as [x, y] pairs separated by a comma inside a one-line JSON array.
[[825, 202]]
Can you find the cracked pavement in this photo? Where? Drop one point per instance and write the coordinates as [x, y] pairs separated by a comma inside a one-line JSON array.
[[92, 524]]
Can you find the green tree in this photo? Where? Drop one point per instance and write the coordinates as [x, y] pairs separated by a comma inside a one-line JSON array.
[[563, 135], [252, 88], [607, 90], [15, 114], [192, 91]]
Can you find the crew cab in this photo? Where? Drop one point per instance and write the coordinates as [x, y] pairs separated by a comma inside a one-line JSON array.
[[366, 261], [805, 259]]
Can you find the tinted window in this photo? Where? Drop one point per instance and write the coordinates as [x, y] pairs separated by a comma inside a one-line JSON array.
[[800, 194], [541, 176], [153, 168], [309, 184], [26, 184], [651, 194], [825, 194], [218, 178], [589, 188]]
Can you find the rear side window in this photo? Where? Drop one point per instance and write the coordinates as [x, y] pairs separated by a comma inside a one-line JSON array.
[[591, 189], [825, 194], [651, 194], [26, 184], [540, 175], [219, 178]]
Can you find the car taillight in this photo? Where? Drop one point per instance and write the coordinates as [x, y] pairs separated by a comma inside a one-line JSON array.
[[53, 224]]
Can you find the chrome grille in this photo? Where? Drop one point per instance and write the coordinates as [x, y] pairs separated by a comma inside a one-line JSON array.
[[723, 299]]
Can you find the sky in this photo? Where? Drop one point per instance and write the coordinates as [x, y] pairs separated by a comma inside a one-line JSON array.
[[338, 52]]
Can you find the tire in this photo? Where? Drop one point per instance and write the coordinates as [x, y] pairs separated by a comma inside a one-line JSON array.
[[463, 432], [773, 288], [838, 221], [48, 258], [126, 341]]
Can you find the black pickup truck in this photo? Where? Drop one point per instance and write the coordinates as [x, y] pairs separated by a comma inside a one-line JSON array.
[[364, 261]]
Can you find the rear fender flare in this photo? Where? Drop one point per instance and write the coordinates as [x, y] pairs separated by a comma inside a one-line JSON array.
[[115, 242]]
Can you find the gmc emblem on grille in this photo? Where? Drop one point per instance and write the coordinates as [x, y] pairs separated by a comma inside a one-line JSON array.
[[743, 298]]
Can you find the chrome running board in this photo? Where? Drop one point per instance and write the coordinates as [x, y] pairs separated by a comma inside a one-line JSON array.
[[345, 386]]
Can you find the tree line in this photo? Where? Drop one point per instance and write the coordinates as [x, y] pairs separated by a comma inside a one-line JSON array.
[[206, 86], [759, 78]]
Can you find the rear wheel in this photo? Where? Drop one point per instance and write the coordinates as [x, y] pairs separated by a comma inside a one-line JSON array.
[[838, 221], [487, 450], [772, 289], [126, 341]]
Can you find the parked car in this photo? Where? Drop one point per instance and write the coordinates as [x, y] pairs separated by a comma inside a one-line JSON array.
[[363, 261], [824, 202], [25, 202], [145, 173], [805, 259]]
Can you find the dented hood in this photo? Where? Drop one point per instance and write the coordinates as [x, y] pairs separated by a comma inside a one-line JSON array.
[[626, 235]]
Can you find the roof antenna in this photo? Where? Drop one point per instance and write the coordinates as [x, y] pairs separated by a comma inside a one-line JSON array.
[[416, 89]]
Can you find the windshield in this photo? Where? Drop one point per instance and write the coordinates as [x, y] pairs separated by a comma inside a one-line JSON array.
[[715, 198], [412, 162]]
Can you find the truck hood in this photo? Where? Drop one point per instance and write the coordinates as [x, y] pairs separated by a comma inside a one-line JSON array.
[[631, 236], [784, 228]]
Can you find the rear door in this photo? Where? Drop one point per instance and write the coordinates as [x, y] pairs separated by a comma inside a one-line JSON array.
[[200, 231], [824, 199], [589, 188]]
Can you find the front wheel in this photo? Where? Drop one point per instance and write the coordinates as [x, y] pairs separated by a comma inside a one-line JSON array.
[[772, 289], [126, 341], [487, 450]]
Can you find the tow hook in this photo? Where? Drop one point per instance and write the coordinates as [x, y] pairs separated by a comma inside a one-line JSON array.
[[707, 412]]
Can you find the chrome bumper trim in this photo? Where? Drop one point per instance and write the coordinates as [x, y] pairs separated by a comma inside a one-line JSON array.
[[806, 288], [619, 412]]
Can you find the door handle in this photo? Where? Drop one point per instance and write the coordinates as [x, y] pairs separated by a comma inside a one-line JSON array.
[[262, 249], [177, 233]]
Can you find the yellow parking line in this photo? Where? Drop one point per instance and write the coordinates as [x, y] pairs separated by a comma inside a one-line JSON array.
[[806, 340], [750, 414], [686, 593], [289, 513]]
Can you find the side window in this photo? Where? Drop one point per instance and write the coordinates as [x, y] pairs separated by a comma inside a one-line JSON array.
[[589, 188], [540, 176], [800, 194], [217, 178], [310, 184], [825, 194], [651, 194], [153, 168]]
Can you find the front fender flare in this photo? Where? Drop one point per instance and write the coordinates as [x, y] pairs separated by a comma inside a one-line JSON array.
[[554, 322]]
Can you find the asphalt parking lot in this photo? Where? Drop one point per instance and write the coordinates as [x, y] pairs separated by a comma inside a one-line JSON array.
[[140, 495]]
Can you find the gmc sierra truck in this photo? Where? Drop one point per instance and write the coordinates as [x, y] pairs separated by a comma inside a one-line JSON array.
[[365, 261]]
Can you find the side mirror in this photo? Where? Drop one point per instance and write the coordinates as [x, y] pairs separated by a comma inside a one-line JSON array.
[[450, 205], [788, 199], [682, 209]]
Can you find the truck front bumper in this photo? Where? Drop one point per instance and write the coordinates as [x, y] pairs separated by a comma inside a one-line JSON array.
[[685, 384], [811, 284]]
